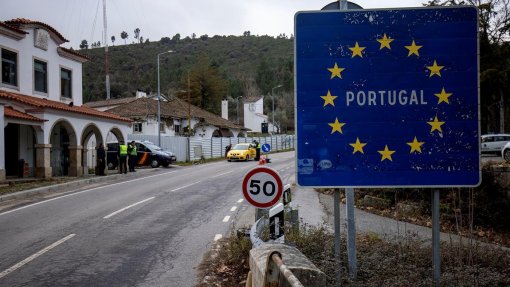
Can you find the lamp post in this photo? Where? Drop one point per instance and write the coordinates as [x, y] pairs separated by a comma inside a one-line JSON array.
[[237, 108], [272, 95], [159, 102]]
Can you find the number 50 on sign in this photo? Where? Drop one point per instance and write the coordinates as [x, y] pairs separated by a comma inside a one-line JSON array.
[[262, 187]]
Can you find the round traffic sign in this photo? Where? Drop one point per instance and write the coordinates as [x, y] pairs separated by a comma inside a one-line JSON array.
[[262, 187], [266, 147]]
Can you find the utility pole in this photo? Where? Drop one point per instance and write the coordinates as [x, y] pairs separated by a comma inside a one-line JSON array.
[[106, 63]]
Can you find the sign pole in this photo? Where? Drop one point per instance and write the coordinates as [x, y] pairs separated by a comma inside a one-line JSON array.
[[436, 253], [338, 262], [351, 233]]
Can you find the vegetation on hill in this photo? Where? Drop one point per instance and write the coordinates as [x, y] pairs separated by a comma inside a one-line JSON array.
[[211, 68]]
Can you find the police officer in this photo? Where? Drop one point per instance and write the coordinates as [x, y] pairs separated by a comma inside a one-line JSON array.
[[257, 150], [122, 157], [132, 156]]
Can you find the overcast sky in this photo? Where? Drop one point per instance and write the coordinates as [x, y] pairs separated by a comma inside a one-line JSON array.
[[83, 19]]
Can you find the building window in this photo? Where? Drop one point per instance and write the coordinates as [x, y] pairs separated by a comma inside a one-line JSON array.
[[177, 129], [40, 76], [162, 127], [9, 68], [65, 83], [251, 107], [137, 127]]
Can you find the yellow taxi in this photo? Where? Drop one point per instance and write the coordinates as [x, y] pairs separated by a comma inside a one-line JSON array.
[[242, 151]]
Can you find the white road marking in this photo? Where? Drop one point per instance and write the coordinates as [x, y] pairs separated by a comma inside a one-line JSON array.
[[222, 174], [76, 193], [233, 208], [217, 237], [226, 218], [188, 185], [127, 207], [240, 200], [34, 256]]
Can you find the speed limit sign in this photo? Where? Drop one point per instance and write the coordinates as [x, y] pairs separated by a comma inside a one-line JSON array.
[[262, 187]]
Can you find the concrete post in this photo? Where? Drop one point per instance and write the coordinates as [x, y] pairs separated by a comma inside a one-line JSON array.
[[42, 160], [75, 167], [2, 144]]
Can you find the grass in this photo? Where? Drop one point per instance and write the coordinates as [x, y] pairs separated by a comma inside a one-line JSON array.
[[405, 261]]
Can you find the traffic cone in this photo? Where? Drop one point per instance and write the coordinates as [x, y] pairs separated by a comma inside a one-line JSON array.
[[262, 160]]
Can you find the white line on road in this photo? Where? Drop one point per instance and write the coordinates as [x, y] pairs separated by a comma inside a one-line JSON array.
[[233, 208], [217, 237], [188, 185], [76, 193], [240, 200], [34, 256], [222, 174], [226, 218], [122, 209]]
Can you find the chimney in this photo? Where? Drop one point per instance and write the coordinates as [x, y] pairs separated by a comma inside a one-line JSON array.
[[224, 109]]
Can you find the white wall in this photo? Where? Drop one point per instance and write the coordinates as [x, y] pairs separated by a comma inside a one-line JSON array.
[[254, 118], [27, 52]]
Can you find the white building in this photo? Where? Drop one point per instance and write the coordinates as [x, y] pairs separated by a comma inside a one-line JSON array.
[[254, 115], [45, 124]]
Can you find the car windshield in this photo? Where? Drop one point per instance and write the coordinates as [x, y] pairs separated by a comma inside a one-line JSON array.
[[241, 147], [152, 146]]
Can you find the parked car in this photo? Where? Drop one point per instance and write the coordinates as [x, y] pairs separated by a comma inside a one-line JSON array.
[[171, 154], [494, 143], [148, 154], [242, 151]]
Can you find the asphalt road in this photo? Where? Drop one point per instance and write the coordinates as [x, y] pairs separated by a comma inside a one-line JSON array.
[[148, 231]]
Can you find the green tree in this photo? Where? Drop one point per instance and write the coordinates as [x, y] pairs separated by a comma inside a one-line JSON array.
[[176, 37], [84, 45], [206, 84], [113, 40], [124, 35], [137, 33]]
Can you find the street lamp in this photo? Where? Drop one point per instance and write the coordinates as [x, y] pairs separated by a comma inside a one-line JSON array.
[[237, 108], [159, 102], [272, 94]]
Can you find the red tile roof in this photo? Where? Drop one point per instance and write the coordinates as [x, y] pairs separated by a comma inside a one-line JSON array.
[[12, 28], [12, 113], [82, 57], [20, 22], [49, 104]]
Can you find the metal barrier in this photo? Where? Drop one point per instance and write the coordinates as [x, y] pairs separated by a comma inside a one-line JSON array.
[[287, 274]]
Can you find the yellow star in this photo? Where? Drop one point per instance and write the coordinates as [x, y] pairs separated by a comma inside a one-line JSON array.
[[356, 50], [386, 153], [329, 99], [358, 146], [385, 42], [443, 97], [435, 69], [436, 125], [337, 126], [415, 145], [413, 49], [335, 71]]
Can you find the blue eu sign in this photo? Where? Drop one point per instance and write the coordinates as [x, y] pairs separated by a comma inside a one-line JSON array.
[[387, 98]]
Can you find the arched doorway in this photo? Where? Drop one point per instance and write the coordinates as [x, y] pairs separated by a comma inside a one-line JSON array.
[[91, 139], [216, 134], [64, 160], [19, 149]]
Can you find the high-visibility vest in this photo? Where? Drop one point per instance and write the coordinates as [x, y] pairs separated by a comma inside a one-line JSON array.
[[133, 150], [123, 149]]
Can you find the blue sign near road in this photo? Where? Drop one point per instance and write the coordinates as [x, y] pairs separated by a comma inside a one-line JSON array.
[[265, 147], [387, 98]]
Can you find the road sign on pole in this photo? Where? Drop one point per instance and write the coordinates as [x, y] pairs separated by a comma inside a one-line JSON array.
[[262, 187], [266, 147], [387, 98]]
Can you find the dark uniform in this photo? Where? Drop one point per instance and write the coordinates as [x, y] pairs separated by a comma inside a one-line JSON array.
[[133, 154], [122, 158], [257, 150], [101, 160]]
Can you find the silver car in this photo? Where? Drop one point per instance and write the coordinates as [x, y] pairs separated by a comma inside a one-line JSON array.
[[494, 143]]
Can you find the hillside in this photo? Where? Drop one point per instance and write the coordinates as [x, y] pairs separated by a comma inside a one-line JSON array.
[[241, 61]]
